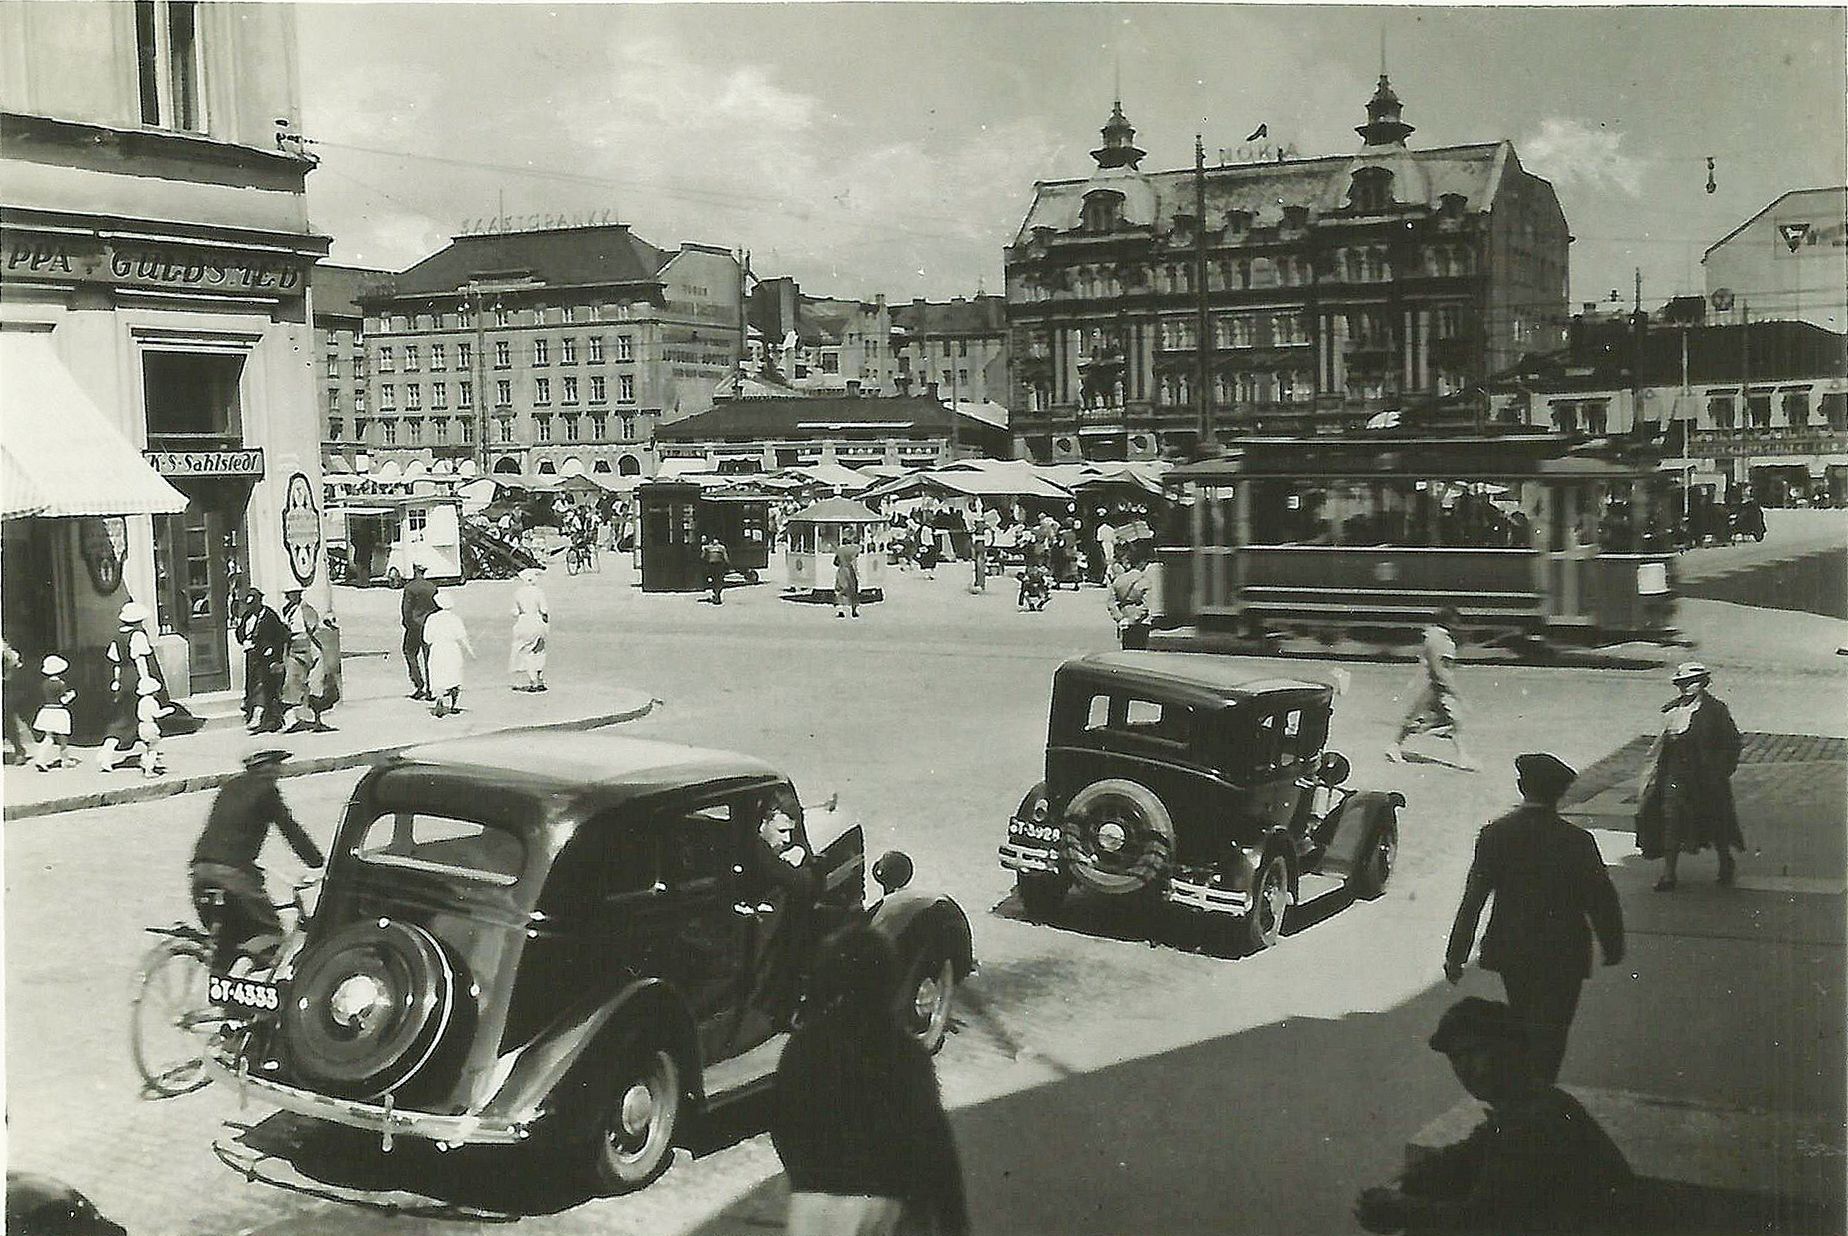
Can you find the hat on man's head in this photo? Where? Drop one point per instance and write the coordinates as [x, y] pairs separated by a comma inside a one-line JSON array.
[[1690, 671], [134, 611], [147, 686], [1543, 774], [54, 664], [1475, 1022], [265, 757]]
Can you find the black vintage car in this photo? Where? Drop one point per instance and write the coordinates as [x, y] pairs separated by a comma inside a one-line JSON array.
[[1179, 777], [576, 938]]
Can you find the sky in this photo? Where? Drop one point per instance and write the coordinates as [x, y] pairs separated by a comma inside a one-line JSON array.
[[892, 148]]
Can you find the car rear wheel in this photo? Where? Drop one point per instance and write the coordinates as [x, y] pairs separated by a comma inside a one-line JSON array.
[[1375, 868], [926, 996], [1041, 895], [639, 1117], [1270, 900]]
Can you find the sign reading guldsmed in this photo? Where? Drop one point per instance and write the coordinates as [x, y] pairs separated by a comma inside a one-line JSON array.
[[244, 463]]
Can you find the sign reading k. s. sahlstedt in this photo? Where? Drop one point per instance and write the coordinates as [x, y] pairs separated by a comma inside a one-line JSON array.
[[155, 264], [242, 463]]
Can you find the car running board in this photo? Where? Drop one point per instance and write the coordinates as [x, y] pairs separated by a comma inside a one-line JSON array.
[[741, 1075]]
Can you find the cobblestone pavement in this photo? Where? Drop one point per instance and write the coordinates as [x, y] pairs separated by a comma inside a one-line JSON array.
[[1103, 1083]]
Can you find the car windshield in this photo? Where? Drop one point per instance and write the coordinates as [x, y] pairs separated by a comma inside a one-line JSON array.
[[442, 845]]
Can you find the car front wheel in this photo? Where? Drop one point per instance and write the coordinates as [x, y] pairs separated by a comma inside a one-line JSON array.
[[1369, 878], [1041, 895], [926, 997], [1270, 900], [636, 1127]]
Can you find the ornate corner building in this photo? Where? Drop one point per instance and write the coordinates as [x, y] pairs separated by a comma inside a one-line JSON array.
[[1336, 288]]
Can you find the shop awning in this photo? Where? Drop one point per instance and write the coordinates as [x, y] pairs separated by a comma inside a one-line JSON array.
[[63, 446], [19, 497]]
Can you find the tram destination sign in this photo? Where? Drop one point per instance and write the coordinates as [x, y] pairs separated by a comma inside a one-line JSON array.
[[246, 464]]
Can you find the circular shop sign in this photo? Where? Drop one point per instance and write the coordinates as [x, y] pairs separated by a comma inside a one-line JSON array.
[[301, 529]]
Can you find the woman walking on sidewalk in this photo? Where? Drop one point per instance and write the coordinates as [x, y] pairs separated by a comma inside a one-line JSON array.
[[448, 642], [1687, 800], [531, 621]]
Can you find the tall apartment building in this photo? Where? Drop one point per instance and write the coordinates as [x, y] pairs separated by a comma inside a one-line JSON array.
[[161, 438], [959, 344], [1335, 288], [529, 352], [1787, 263], [340, 351]]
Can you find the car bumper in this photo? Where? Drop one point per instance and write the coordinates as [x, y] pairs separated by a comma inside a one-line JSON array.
[[1027, 858], [378, 1118], [1209, 898]]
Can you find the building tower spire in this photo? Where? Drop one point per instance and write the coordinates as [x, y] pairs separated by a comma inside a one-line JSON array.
[[1119, 148], [1384, 127]]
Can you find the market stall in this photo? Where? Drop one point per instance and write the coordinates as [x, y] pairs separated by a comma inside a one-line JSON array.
[[815, 532], [380, 539]]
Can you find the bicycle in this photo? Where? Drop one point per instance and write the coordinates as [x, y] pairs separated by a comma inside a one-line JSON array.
[[580, 557], [183, 1008]]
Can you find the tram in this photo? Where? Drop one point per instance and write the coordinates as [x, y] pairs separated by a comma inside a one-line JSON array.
[[1533, 538]]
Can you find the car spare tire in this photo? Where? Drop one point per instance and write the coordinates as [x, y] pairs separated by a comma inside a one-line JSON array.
[[368, 1006], [1118, 837]]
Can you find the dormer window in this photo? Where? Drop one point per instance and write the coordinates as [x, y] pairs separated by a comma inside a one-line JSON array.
[[1372, 189], [1102, 212], [1238, 221]]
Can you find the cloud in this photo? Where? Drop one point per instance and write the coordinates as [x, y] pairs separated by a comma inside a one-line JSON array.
[[1575, 153]]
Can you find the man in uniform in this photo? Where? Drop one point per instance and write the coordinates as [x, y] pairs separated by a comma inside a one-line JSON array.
[[1539, 1163], [225, 858], [1551, 893], [418, 604]]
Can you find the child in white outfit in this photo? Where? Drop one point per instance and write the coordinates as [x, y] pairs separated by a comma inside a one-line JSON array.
[[53, 721], [148, 712]]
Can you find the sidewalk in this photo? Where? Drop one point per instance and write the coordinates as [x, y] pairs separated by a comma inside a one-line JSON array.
[[365, 729]]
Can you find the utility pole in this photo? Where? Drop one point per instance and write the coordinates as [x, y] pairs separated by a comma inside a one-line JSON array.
[[955, 429], [1209, 440], [480, 368]]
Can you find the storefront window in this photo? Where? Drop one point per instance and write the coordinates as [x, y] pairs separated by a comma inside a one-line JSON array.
[[192, 394]]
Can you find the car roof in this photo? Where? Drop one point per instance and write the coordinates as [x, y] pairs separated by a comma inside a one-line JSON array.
[[590, 760], [1192, 671]]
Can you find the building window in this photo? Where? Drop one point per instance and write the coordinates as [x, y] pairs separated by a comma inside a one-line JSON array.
[[1102, 211], [465, 394], [503, 393], [506, 429], [386, 363], [333, 399], [542, 428], [625, 348], [500, 315], [335, 427], [571, 429], [1835, 411], [1797, 409], [441, 426], [1720, 411], [625, 388], [599, 425], [962, 377], [571, 389], [333, 366], [468, 429], [439, 359], [413, 432], [359, 400], [388, 433], [596, 349], [1758, 411], [410, 358], [597, 394], [465, 352], [439, 395], [168, 56], [542, 391], [503, 354], [1371, 190], [388, 398], [628, 426], [413, 396], [541, 354], [567, 351]]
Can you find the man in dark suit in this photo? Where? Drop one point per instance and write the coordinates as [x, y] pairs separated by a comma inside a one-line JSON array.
[[418, 604], [1551, 893]]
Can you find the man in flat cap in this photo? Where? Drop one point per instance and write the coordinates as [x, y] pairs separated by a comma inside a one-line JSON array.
[[225, 857], [1551, 893], [1539, 1163]]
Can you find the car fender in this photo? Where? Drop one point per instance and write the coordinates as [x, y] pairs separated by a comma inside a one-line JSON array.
[[1356, 822], [542, 1065], [911, 919], [1250, 859]]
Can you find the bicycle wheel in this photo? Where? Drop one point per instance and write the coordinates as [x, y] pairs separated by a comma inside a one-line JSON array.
[[170, 1018]]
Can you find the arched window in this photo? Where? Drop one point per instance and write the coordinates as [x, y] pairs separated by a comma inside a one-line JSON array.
[[1371, 189], [629, 465], [1102, 211], [507, 467]]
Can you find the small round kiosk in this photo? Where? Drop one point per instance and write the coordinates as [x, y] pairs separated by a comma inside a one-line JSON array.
[[816, 531]]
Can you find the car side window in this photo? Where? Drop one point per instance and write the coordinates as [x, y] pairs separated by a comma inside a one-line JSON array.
[[1164, 722], [700, 844], [1289, 731]]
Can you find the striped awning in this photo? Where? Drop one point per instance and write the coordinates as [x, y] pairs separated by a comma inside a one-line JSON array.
[[67, 456], [19, 497]]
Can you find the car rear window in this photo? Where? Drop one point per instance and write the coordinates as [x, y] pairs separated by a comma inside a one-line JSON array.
[[443, 845]]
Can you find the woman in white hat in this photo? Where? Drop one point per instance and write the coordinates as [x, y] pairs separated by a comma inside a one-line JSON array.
[[447, 640], [530, 623], [131, 661], [1687, 800]]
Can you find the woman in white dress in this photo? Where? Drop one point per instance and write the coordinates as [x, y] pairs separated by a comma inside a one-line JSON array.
[[530, 620], [447, 639]]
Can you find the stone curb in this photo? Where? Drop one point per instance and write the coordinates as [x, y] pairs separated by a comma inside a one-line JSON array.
[[146, 791]]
